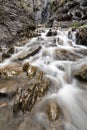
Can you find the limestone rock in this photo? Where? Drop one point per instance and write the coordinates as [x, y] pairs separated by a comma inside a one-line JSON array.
[[51, 33], [16, 20], [66, 10], [53, 111], [63, 54], [30, 52], [34, 89], [8, 53], [81, 74], [81, 37]]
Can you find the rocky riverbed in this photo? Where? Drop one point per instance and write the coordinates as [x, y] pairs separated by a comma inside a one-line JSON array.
[[43, 81], [43, 65]]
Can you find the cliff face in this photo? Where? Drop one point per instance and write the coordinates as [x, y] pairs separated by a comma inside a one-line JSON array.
[[18, 17], [16, 20], [66, 10]]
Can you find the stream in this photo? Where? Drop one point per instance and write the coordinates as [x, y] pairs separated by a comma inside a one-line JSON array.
[[59, 57]]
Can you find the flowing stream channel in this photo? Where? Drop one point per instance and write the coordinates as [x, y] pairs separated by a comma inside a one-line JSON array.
[[59, 57]]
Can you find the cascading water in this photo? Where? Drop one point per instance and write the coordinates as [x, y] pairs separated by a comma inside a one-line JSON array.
[[58, 58], [42, 13]]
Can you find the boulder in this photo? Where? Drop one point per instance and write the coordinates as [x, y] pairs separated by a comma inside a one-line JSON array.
[[8, 53], [51, 33], [29, 52], [53, 111], [63, 54], [34, 89], [81, 36], [81, 74]]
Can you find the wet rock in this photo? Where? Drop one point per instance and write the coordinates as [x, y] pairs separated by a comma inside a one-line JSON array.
[[8, 53], [51, 33], [70, 34], [60, 41], [10, 50], [53, 111], [29, 52], [63, 54], [82, 51], [81, 74], [3, 74], [5, 56], [0, 57], [26, 66], [18, 101], [3, 95], [31, 71], [81, 37], [0, 49], [10, 82], [32, 91]]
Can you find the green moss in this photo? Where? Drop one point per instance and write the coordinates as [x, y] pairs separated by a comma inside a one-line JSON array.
[[76, 24]]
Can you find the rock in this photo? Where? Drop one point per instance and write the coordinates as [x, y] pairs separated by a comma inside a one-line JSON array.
[[81, 37], [31, 71], [10, 50], [26, 66], [29, 52], [3, 95], [33, 90], [51, 33], [60, 41], [63, 54], [8, 53], [11, 77], [3, 74], [16, 21], [53, 111], [0, 49], [17, 103], [67, 10], [81, 74], [0, 57]]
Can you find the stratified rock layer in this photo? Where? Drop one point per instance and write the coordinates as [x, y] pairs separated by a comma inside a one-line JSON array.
[[16, 20]]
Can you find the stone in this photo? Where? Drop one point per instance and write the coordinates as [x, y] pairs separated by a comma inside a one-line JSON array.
[[53, 111], [81, 37], [3, 95], [31, 71], [51, 33], [66, 10], [3, 74], [8, 53], [30, 52], [81, 74], [33, 90], [63, 54], [60, 41], [16, 21], [25, 67]]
